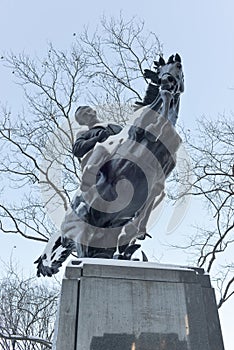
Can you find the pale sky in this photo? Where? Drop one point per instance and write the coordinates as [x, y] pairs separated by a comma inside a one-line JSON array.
[[201, 31]]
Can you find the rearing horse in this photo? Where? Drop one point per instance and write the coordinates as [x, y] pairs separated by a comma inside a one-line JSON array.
[[124, 177]]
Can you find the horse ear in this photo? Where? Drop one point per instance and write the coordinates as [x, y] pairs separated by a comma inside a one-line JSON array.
[[161, 61], [156, 63], [177, 58], [171, 59]]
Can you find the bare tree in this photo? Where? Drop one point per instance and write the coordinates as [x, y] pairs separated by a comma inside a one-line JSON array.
[[27, 312], [103, 69], [212, 157]]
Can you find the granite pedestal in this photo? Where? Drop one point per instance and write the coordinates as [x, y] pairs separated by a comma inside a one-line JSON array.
[[119, 305]]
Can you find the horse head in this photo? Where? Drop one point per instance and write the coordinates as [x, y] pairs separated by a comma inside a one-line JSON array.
[[170, 74], [167, 75]]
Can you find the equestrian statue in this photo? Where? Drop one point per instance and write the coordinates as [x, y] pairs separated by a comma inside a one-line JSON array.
[[124, 170]]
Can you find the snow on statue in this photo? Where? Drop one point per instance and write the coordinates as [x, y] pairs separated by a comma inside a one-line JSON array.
[[123, 174]]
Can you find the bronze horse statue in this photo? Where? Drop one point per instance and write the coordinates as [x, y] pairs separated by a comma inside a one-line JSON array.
[[124, 177]]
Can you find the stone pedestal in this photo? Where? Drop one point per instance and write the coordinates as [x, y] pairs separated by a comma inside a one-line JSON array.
[[119, 305]]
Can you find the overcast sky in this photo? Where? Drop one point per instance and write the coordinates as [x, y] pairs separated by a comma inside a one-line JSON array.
[[201, 31]]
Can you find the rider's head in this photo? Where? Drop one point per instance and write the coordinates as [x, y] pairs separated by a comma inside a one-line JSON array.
[[85, 115]]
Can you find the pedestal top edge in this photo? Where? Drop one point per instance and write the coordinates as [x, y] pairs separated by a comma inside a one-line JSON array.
[[80, 263]]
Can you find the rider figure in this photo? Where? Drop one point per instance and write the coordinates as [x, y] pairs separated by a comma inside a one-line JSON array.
[[97, 132], [93, 132]]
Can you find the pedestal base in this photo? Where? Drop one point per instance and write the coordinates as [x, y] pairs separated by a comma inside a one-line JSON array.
[[128, 305]]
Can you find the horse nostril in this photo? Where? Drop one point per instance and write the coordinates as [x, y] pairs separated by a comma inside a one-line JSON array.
[[170, 79]]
